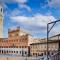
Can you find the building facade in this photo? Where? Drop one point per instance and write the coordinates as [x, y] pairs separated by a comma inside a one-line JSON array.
[[1, 21], [40, 49], [16, 44]]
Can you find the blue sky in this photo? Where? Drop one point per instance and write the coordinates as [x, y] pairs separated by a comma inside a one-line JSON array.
[[31, 15]]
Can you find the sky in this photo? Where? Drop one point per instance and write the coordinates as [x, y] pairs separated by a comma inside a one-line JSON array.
[[31, 15]]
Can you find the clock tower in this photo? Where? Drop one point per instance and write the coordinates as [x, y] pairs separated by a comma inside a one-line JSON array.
[[1, 21]]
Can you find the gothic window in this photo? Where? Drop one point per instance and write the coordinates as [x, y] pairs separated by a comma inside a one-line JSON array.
[[16, 51], [1, 9], [25, 52], [20, 52]]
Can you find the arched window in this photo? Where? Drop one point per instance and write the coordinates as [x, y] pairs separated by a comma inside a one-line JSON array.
[[1, 9]]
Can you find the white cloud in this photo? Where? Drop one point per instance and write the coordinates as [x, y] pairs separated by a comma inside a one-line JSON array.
[[13, 1], [25, 6], [54, 3], [15, 12], [21, 3], [34, 25], [38, 19]]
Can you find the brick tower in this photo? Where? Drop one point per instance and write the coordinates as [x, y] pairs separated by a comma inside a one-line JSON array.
[[1, 21]]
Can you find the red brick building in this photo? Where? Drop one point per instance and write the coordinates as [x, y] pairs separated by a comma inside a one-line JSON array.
[[16, 43]]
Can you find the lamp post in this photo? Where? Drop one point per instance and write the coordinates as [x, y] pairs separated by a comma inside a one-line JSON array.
[[48, 31], [47, 41]]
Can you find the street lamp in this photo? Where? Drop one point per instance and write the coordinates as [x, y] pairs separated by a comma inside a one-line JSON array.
[[48, 30]]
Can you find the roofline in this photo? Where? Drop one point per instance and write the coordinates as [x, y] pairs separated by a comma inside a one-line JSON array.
[[52, 41]]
